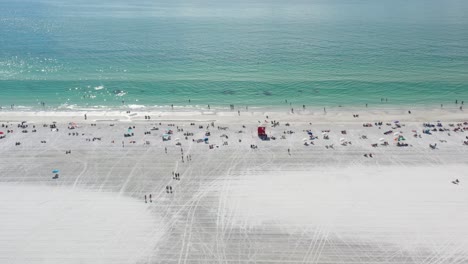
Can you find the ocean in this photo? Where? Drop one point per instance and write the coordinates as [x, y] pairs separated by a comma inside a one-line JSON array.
[[82, 54]]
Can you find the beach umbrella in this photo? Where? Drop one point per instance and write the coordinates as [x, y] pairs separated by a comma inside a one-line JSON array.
[[396, 134], [382, 139], [342, 139], [177, 139], [1, 133], [305, 139], [55, 171], [324, 133]]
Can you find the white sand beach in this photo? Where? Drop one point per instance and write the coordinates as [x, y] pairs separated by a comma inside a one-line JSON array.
[[324, 188]]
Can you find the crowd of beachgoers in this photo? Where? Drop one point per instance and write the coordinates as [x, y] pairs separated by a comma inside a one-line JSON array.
[[209, 134]]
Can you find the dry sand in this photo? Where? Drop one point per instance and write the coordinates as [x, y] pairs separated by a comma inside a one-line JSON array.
[[233, 204]]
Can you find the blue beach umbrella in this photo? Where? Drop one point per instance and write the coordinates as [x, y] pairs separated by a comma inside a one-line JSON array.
[[55, 171]]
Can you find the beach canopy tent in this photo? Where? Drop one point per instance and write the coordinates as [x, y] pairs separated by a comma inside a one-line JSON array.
[[166, 137], [261, 131], [400, 138]]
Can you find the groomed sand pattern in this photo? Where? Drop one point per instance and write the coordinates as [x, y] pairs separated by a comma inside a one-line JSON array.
[[233, 203]]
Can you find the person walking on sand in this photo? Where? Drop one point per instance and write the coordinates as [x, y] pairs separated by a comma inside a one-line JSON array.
[[85, 117], [145, 199], [165, 149], [151, 200], [289, 151]]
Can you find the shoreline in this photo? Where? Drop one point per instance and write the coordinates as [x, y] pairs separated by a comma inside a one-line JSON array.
[[226, 107]]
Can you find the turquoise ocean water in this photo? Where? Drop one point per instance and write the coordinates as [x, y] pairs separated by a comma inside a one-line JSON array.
[[83, 53]]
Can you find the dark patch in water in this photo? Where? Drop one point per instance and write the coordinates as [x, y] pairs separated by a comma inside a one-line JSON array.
[[117, 91], [267, 93], [228, 92]]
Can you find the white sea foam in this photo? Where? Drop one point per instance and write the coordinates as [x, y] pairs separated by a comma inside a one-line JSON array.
[[135, 106]]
